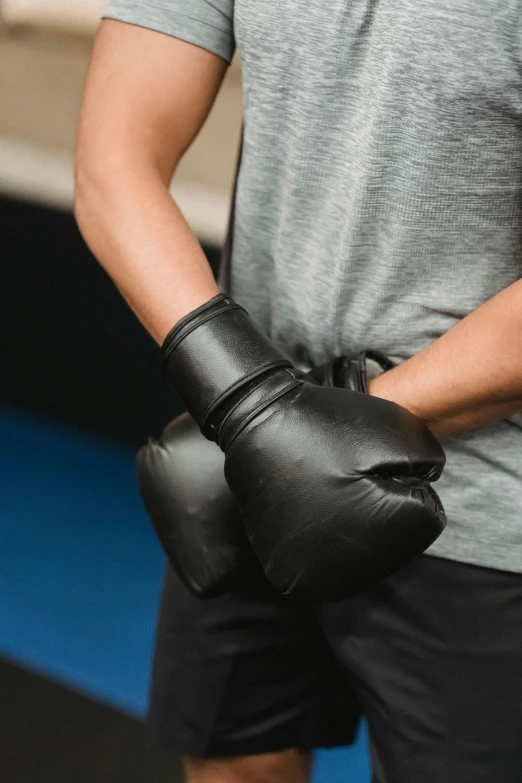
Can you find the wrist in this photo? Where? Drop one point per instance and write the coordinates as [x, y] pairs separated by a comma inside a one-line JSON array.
[[186, 303], [386, 387]]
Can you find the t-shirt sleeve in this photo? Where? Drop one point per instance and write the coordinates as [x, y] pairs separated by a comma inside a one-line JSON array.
[[205, 23]]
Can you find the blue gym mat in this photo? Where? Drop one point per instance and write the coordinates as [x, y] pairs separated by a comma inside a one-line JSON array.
[[80, 572]]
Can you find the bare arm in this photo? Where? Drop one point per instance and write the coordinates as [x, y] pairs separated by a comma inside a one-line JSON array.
[[469, 377], [146, 97]]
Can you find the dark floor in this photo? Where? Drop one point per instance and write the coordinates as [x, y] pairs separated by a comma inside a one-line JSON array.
[[71, 348], [52, 735]]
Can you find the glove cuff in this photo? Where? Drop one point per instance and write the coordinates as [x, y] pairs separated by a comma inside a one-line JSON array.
[[355, 373], [214, 355]]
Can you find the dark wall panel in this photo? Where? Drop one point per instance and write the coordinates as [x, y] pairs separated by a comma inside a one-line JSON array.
[[71, 349]]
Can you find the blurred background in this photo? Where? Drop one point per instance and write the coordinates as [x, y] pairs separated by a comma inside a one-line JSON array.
[[80, 390]]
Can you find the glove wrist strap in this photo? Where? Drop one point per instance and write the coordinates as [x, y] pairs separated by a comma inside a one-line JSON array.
[[213, 358], [355, 373]]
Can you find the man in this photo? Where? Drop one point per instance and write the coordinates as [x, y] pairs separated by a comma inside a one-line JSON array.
[[378, 205]]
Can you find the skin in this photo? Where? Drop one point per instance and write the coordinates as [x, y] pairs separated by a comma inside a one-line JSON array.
[[468, 378], [290, 766], [146, 97]]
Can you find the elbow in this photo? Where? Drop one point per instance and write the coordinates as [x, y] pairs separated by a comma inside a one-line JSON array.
[[82, 190], [96, 191], [87, 184]]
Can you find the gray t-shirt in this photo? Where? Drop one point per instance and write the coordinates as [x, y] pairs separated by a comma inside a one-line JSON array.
[[379, 195]]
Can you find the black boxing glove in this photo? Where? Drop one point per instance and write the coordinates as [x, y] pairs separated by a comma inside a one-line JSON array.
[[182, 484], [333, 486]]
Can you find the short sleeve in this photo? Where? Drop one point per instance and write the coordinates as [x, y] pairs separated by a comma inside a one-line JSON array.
[[205, 23]]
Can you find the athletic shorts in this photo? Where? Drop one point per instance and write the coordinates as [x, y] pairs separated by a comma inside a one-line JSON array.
[[432, 657]]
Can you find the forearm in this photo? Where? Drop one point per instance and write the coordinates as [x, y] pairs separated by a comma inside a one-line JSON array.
[[138, 234], [470, 376], [146, 97], [475, 419]]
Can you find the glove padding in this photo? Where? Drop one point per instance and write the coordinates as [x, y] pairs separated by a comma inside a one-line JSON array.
[[183, 488], [333, 486]]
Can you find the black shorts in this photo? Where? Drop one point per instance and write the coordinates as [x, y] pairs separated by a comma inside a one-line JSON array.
[[433, 656]]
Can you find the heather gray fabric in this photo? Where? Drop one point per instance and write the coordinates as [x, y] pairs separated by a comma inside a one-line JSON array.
[[379, 195]]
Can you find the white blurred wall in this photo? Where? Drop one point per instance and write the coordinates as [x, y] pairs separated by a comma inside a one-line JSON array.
[[44, 51]]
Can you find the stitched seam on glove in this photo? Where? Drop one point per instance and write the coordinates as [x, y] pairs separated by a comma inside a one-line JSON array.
[[294, 384], [237, 388]]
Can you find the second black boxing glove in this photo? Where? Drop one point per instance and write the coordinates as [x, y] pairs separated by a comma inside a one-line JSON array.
[[182, 485]]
